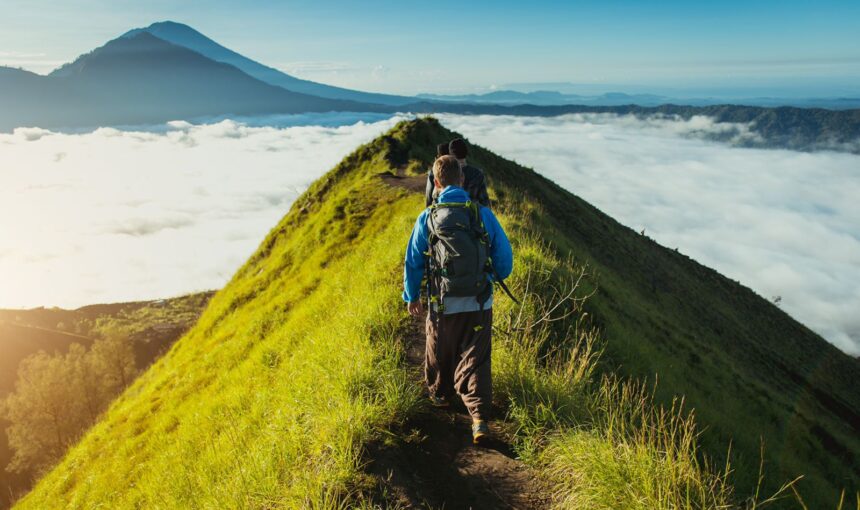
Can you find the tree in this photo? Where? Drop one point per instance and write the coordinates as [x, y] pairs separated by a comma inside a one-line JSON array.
[[44, 418], [58, 397], [88, 382], [114, 357]]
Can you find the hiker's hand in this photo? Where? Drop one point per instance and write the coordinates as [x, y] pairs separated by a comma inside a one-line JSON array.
[[415, 308]]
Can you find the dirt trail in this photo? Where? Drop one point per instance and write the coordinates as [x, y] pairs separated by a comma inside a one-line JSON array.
[[438, 467], [415, 183]]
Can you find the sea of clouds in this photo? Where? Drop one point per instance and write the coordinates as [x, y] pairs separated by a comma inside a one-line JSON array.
[[116, 215], [148, 212], [783, 223]]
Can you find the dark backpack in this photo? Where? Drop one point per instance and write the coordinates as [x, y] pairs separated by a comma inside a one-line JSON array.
[[459, 259], [475, 185]]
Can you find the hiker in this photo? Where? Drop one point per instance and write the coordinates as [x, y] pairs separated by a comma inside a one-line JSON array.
[[441, 150], [475, 183], [429, 192], [462, 249]]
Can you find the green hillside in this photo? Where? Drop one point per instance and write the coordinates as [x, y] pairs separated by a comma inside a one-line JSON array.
[[150, 326], [298, 365]]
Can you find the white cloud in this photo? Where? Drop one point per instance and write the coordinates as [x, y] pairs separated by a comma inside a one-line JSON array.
[[327, 71], [315, 67], [783, 223], [380, 71], [30, 134], [142, 213], [16, 54], [139, 227], [34, 61], [135, 214]]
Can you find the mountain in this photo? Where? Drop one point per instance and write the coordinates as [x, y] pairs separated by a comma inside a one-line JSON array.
[[183, 35], [801, 129], [143, 79], [556, 98], [294, 383], [551, 98]]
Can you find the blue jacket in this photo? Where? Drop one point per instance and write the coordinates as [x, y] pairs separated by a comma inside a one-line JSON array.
[[413, 271]]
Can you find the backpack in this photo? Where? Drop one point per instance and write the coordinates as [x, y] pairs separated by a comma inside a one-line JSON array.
[[475, 185], [459, 260]]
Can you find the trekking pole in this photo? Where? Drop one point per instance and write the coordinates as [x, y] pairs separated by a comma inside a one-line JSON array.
[[504, 287]]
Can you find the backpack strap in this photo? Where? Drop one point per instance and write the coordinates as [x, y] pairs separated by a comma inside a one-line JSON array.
[[484, 237]]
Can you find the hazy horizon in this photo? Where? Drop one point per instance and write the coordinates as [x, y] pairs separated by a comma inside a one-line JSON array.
[[796, 49]]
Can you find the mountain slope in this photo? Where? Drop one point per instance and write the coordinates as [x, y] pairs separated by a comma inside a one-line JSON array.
[[297, 364], [152, 327], [183, 35], [30, 99], [267, 401], [143, 79], [801, 129]]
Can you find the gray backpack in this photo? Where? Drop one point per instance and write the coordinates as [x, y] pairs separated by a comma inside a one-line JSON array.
[[459, 260]]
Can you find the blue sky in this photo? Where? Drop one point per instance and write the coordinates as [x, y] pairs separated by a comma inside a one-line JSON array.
[[789, 48]]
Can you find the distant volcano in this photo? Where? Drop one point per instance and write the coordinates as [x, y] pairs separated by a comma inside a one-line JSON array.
[[183, 35]]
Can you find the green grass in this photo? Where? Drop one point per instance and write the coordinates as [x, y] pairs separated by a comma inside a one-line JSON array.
[[752, 373], [296, 365], [599, 441], [291, 369]]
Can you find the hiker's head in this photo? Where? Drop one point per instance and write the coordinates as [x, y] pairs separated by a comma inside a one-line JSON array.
[[442, 149], [458, 149], [447, 172]]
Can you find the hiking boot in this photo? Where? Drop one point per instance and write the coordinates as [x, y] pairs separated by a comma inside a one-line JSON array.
[[438, 401], [480, 432]]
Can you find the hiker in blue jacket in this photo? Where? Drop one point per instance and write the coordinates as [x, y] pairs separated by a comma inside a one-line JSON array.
[[462, 249]]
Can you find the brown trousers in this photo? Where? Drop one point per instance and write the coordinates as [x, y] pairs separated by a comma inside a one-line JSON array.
[[457, 359]]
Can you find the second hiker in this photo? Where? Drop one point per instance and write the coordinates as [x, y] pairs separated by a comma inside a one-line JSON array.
[[474, 182], [461, 248]]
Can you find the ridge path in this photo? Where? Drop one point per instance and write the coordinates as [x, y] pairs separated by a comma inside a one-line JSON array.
[[436, 465]]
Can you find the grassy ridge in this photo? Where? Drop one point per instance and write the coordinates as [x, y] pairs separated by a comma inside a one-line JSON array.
[[292, 367], [599, 441], [296, 364], [752, 373]]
